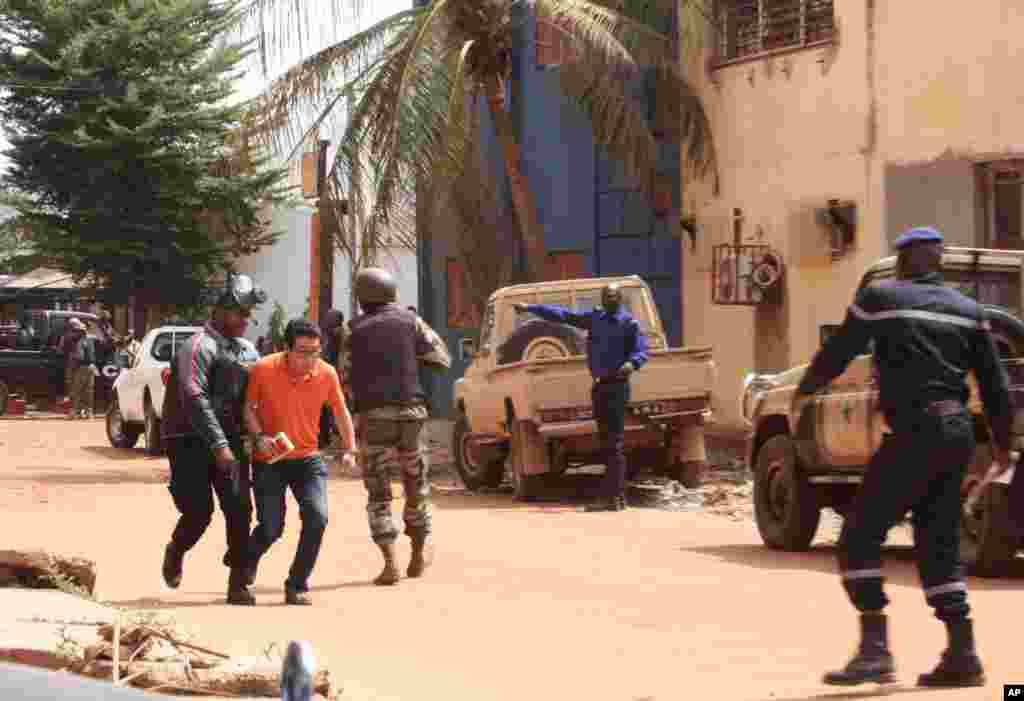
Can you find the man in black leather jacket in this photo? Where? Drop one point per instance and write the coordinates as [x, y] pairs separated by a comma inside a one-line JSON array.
[[203, 430]]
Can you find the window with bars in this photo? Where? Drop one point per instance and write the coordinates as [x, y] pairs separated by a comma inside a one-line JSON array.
[[751, 27]]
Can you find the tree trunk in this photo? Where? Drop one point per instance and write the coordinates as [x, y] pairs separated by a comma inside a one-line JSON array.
[[522, 198]]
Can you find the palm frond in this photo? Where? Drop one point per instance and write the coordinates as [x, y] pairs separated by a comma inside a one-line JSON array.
[[396, 133], [313, 86], [611, 50], [282, 27]]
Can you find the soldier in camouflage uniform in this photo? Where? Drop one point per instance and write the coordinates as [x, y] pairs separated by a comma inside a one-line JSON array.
[[380, 356]]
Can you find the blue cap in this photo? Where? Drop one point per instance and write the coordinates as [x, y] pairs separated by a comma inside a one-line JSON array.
[[919, 234]]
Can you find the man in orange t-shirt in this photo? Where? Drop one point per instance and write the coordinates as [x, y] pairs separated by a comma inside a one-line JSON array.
[[286, 394]]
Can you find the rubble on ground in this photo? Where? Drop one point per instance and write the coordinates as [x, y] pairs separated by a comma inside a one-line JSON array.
[[35, 569], [161, 656]]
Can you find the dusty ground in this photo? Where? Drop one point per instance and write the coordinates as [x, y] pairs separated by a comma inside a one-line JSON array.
[[524, 601]]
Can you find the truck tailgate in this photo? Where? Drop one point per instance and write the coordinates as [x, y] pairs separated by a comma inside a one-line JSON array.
[[669, 374]]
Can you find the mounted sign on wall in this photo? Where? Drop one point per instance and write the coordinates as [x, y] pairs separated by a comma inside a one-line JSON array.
[[745, 274]]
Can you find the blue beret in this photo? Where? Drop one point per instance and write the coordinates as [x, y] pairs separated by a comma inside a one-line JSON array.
[[920, 234]]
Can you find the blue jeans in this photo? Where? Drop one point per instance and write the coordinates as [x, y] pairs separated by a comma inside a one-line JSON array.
[[307, 478]]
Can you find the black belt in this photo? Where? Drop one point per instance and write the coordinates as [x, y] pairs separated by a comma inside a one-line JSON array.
[[611, 379]]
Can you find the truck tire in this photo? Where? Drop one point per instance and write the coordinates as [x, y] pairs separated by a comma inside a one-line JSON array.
[[785, 505], [485, 474], [151, 429], [120, 433], [526, 446], [989, 538], [541, 337], [1007, 332], [5, 394]]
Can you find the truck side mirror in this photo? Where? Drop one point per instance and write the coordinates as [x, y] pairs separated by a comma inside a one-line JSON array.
[[467, 348]]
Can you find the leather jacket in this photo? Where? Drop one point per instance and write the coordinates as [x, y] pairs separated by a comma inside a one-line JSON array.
[[206, 390]]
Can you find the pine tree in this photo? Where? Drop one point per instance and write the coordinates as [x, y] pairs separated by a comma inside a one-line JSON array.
[[119, 114]]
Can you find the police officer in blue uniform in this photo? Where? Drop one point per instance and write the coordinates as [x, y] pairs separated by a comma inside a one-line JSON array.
[[616, 347], [928, 338]]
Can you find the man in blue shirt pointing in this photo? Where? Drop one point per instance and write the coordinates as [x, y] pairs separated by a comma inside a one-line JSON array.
[[616, 347]]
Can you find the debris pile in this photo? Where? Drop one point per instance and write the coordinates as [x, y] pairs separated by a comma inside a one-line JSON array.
[[35, 569], [161, 657]]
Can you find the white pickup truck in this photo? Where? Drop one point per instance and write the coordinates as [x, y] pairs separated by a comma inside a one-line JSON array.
[[138, 393], [525, 397]]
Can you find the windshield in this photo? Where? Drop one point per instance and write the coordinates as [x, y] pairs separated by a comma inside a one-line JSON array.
[[585, 300]]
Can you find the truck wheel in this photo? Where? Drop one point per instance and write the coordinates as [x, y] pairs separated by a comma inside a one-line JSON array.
[[474, 471], [541, 338], [527, 448], [785, 505], [120, 433], [154, 443], [989, 538], [4, 396]]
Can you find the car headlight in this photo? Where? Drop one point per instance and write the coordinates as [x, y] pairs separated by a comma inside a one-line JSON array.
[[753, 386]]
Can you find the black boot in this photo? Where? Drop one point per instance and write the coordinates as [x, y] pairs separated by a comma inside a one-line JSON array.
[[873, 661], [960, 665], [606, 504], [238, 591], [172, 569]]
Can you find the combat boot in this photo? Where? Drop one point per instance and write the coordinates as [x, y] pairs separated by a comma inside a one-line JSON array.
[[173, 564], [606, 504], [422, 556], [389, 575], [873, 661], [238, 592], [960, 664]]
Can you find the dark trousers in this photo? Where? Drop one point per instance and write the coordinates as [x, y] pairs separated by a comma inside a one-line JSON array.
[[307, 478], [918, 469], [609, 402], [194, 480]]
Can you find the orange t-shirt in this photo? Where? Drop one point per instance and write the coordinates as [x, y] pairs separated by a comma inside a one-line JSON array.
[[292, 404]]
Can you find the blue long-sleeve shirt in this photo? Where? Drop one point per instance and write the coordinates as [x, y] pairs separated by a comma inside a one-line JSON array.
[[612, 339]]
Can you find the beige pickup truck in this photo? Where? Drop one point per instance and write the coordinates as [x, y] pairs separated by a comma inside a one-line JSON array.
[[798, 470], [525, 397]]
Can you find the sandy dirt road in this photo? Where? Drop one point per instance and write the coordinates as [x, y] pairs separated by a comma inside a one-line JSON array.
[[524, 601]]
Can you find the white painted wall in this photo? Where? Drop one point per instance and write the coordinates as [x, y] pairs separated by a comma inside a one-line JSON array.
[[282, 269]]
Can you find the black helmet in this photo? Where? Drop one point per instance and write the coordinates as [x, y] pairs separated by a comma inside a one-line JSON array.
[[241, 291], [611, 297], [376, 286]]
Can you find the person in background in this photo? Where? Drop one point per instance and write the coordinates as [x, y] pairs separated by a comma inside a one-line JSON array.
[[331, 328], [203, 428], [83, 370], [616, 348], [285, 395]]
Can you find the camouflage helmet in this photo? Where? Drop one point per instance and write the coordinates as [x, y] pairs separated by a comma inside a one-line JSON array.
[[376, 286], [611, 296]]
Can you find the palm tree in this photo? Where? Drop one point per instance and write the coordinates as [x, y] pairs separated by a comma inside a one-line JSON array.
[[411, 77]]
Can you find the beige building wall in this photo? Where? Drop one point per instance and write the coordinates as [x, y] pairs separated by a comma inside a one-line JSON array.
[[893, 115]]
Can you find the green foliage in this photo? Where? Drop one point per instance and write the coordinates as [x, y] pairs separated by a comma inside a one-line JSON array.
[[277, 324], [120, 124]]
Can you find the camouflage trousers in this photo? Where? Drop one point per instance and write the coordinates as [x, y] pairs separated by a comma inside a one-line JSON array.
[[388, 446], [83, 387]]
